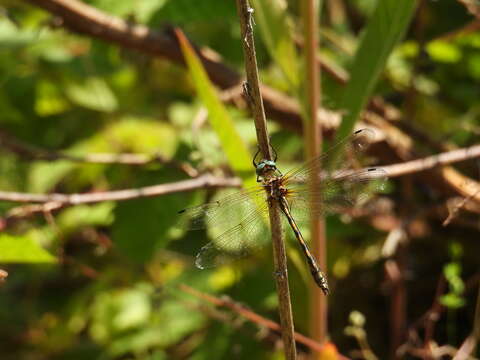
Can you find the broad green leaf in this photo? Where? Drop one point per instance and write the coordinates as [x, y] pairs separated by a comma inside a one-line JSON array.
[[237, 153], [45, 175], [442, 51], [22, 249], [94, 93], [385, 28], [85, 215], [143, 226], [12, 37], [276, 30]]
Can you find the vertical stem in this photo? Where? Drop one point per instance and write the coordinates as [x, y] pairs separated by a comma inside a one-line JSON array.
[[312, 134], [254, 99]]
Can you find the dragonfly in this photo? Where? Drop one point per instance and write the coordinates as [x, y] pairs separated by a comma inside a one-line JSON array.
[[243, 214]]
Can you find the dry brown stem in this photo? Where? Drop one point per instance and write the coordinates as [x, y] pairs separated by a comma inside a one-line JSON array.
[[254, 99]]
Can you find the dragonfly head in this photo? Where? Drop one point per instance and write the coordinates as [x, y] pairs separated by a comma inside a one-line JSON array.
[[266, 168]]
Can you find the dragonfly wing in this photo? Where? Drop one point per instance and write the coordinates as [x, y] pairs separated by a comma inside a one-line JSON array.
[[245, 237], [356, 143], [225, 210], [339, 190]]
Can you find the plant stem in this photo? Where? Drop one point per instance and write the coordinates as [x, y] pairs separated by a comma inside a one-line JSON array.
[[253, 96], [313, 137]]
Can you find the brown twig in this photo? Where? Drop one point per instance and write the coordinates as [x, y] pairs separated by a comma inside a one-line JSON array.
[[56, 200], [454, 207], [430, 162], [253, 317], [472, 6], [468, 28], [3, 276], [471, 342], [30, 152], [254, 98]]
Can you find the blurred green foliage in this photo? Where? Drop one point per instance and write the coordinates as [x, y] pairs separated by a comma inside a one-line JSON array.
[[101, 281]]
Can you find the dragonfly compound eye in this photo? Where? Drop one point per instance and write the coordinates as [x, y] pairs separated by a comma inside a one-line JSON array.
[[265, 166]]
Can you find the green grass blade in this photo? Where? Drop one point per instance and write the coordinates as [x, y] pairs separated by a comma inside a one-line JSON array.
[[236, 151], [385, 28]]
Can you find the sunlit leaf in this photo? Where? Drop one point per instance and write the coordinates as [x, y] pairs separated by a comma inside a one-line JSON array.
[[93, 93], [22, 249], [49, 100], [443, 51]]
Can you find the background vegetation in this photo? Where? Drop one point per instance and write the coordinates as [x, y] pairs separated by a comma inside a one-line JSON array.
[[86, 112]]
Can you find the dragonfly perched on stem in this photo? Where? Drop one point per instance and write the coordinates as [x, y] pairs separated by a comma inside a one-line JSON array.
[[244, 213]]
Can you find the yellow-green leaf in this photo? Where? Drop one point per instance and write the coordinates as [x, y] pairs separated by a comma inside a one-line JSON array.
[[22, 249]]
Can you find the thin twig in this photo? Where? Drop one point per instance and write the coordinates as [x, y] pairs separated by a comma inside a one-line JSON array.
[[59, 200], [253, 317], [31, 152], [254, 98], [472, 6], [3, 276], [55, 200], [430, 162], [471, 342]]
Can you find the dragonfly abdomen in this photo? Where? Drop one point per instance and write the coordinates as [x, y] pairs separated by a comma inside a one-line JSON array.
[[317, 274]]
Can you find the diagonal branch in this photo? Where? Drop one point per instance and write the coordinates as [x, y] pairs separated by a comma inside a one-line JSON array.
[[254, 317], [472, 6], [84, 19]]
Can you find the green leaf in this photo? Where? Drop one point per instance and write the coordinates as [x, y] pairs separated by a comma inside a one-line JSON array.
[[385, 28], [452, 301], [237, 153], [276, 30], [49, 100], [22, 249], [144, 225], [45, 175], [94, 93], [442, 51], [85, 215]]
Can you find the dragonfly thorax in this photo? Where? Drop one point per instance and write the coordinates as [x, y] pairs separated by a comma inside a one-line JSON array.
[[275, 188]]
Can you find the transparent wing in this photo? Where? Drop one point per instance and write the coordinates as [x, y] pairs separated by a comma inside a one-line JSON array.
[[247, 236], [356, 143], [225, 210], [337, 191]]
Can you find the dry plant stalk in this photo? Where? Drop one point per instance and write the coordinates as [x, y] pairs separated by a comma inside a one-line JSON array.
[[253, 96]]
